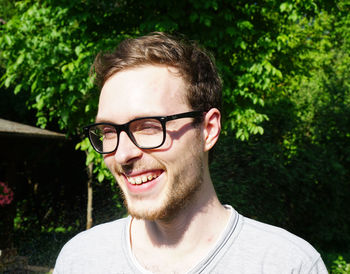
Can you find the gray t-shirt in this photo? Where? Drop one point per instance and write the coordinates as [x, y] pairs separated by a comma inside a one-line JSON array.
[[245, 246]]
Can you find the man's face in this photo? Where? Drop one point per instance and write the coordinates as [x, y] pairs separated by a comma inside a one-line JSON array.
[[171, 174]]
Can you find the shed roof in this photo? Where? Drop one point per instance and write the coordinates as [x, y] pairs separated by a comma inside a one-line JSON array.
[[8, 128]]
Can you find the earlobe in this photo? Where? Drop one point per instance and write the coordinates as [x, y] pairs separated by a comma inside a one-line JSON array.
[[212, 128]]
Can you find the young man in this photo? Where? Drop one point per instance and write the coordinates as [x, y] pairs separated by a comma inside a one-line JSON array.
[[158, 117]]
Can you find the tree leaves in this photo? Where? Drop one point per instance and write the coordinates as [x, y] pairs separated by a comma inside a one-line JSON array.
[[49, 47]]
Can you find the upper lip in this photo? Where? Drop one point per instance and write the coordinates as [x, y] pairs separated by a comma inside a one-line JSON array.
[[142, 173]]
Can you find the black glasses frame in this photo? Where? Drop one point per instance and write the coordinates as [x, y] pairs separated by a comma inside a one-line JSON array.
[[126, 129]]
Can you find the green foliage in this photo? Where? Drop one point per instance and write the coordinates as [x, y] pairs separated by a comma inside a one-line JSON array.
[[49, 46], [7, 9], [297, 174], [42, 52], [92, 157], [286, 94], [340, 266]]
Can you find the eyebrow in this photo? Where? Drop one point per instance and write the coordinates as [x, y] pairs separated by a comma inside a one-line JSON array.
[[102, 120]]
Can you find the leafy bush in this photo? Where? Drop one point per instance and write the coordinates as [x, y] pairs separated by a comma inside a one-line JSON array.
[[340, 266]]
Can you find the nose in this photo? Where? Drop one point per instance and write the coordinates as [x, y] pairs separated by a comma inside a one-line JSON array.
[[127, 151]]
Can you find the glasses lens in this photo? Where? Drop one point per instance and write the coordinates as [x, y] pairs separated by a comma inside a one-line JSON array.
[[104, 138], [147, 133]]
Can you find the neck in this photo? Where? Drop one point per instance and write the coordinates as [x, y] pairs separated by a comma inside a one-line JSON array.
[[203, 217], [180, 242]]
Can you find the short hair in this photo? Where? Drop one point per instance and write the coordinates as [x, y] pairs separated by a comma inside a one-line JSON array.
[[195, 65]]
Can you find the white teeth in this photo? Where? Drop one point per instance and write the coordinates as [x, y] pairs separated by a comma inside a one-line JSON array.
[[142, 179]]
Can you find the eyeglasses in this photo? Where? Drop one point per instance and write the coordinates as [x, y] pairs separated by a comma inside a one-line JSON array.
[[144, 132]]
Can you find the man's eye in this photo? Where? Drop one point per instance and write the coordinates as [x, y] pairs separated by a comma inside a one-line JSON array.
[[150, 126], [147, 127], [108, 132]]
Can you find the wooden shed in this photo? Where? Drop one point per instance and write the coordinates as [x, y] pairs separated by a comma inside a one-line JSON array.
[[14, 129]]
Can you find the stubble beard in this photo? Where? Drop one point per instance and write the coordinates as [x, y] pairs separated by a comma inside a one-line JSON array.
[[180, 194]]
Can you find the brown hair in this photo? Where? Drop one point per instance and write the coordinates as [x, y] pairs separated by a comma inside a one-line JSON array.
[[194, 64]]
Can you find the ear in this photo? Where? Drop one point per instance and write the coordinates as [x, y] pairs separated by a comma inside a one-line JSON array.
[[211, 128]]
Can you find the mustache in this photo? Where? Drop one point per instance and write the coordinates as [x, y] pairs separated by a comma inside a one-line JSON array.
[[138, 167]]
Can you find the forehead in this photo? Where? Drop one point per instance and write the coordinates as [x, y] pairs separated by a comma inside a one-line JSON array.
[[142, 91]]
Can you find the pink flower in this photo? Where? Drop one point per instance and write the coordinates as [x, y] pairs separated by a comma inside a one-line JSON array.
[[6, 194]]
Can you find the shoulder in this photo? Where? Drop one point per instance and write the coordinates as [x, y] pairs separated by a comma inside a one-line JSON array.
[[94, 247], [270, 235], [98, 233], [276, 248]]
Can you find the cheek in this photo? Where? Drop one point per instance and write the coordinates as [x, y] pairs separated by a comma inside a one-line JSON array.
[[181, 141], [186, 155], [109, 161]]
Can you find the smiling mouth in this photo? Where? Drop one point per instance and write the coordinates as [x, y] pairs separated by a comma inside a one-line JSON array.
[[138, 180]]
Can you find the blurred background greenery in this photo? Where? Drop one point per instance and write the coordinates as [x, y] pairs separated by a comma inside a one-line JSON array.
[[284, 154]]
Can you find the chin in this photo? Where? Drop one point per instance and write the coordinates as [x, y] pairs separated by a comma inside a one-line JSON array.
[[166, 209], [146, 210]]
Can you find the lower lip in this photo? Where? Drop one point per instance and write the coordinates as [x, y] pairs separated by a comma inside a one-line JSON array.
[[144, 187]]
